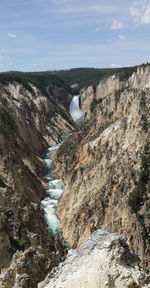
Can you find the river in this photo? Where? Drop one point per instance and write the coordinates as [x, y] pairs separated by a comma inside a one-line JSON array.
[[56, 185]]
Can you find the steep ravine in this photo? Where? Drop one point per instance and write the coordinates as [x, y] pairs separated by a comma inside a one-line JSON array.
[[100, 163], [56, 185], [29, 123]]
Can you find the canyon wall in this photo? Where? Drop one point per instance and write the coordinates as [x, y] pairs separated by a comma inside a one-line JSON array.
[[101, 161], [30, 121], [105, 166]]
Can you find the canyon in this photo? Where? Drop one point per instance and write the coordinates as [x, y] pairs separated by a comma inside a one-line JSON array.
[[103, 165], [30, 121], [100, 163]]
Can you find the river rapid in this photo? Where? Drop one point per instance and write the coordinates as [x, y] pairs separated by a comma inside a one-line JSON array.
[[56, 185]]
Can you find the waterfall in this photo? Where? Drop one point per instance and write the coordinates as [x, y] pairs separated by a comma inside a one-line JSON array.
[[75, 110], [55, 185]]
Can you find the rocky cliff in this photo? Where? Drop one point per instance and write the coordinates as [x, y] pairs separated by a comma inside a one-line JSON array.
[[102, 261], [105, 164], [30, 121]]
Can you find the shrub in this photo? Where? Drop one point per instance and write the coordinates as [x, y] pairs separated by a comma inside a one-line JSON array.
[[6, 121], [145, 123], [135, 199], [139, 193], [94, 104], [23, 239]]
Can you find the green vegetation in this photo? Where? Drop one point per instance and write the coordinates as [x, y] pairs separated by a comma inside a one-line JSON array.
[[40, 79], [145, 123], [6, 78], [62, 112], [143, 99], [85, 77], [23, 239], [139, 199], [94, 104], [139, 194], [7, 121], [148, 244], [127, 73]]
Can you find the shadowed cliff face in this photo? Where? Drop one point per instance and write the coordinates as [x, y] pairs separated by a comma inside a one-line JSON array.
[[59, 96], [29, 122], [100, 163]]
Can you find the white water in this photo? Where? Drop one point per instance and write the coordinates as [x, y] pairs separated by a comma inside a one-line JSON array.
[[52, 194], [75, 111], [55, 185]]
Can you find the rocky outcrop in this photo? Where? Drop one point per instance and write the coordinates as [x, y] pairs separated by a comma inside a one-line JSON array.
[[139, 80], [29, 122], [86, 98], [25, 269], [108, 86], [30, 266], [104, 260], [100, 164], [59, 95]]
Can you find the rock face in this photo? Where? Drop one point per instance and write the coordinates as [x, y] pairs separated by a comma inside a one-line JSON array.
[[141, 79], [102, 261], [59, 95], [87, 97], [100, 164], [30, 121], [108, 86], [25, 269]]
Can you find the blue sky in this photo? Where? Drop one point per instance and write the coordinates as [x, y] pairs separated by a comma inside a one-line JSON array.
[[38, 35]]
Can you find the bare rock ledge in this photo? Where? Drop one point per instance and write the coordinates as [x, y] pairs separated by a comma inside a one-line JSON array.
[[103, 261]]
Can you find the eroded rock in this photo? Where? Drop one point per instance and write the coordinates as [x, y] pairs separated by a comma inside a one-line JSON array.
[[104, 261]]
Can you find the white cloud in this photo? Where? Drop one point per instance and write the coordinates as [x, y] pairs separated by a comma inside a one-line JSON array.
[[58, 1], [116, 25], [140, 11], [145, 18], [115, 66], [12, 35], [121, 37], [98, 29], [86, 9]]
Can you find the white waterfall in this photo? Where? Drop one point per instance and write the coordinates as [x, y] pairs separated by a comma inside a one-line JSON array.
[[75, 110]]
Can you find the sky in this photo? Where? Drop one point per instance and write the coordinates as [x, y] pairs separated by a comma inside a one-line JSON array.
[[41, 35]]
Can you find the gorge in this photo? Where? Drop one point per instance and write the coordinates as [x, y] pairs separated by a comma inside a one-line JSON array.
[[98, 178], [55, 185]]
